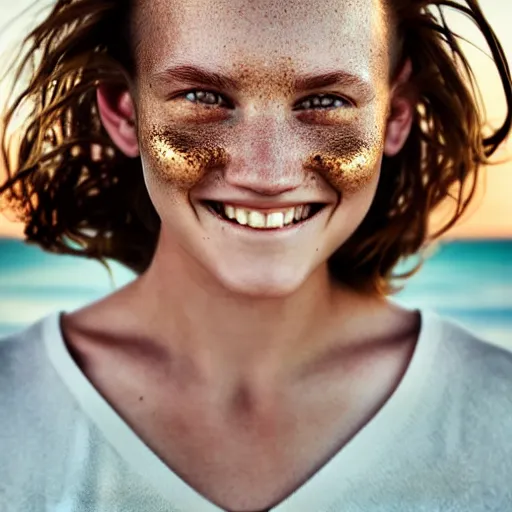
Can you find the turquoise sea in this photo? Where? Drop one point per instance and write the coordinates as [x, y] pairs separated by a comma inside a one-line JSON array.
[[469, 281]]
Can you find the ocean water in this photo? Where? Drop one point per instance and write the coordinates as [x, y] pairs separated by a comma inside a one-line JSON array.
[[469, 281]]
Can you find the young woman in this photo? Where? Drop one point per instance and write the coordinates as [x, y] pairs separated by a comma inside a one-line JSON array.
[[262, 166]]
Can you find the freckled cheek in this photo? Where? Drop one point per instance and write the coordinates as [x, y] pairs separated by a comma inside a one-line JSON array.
[[349, 164], [178, 160]]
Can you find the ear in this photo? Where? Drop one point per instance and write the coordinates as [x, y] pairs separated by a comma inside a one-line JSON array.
[[401, 112], [117, 113]]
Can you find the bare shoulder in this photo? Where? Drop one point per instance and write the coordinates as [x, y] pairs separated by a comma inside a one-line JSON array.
[[113, 317], [377, 322]]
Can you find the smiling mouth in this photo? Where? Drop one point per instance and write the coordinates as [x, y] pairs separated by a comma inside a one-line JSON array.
[[268, 219]]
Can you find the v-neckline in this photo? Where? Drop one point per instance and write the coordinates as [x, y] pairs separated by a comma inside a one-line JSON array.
[[323, 488]]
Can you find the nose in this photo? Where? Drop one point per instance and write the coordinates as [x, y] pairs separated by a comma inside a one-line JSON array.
[[265, 158]]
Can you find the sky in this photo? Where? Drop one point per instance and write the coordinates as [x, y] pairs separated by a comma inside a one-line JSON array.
[[489, 217]]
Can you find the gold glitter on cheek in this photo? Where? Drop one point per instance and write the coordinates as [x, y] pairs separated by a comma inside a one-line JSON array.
[[177, 159], [348, 165]]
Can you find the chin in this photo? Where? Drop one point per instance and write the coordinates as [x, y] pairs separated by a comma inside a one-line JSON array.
[[262, 281]]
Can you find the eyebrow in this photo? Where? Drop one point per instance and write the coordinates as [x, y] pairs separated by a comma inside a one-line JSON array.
[[196, 75], [200, 76], [317, 81]]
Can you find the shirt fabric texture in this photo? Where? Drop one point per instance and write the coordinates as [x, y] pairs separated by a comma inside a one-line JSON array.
[[442, 442]]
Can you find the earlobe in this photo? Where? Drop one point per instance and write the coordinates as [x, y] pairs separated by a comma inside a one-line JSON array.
[[401, 114], [117, 113]]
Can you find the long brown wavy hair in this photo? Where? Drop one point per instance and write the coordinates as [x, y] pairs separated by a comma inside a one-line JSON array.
[[78, 194]]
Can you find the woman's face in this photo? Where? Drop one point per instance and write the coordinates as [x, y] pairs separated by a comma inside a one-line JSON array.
[[261, 128]]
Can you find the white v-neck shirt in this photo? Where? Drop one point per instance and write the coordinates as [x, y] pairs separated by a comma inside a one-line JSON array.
[[442, 442]]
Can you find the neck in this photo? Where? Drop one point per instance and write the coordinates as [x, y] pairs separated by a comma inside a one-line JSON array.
[[225, 336]]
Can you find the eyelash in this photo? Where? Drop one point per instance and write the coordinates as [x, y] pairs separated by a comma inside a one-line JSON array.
[[314, 101]]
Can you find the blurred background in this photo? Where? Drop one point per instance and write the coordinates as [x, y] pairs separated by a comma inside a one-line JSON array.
[[468, 276]]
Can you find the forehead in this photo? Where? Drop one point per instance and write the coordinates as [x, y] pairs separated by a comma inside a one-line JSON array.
[[352, 34]]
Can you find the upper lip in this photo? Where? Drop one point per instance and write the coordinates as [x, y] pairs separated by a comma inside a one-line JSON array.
[[264, 205]]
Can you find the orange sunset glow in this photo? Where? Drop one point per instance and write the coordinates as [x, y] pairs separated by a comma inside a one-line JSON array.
[[491, 214]]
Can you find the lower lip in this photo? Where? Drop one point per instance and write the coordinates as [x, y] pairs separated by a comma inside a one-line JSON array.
[[285, 230]]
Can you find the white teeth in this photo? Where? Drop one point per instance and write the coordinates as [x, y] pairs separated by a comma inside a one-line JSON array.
[[256, 219], [275, 220], [241, 216], [288, 216], [259, 220], [230, 212]]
